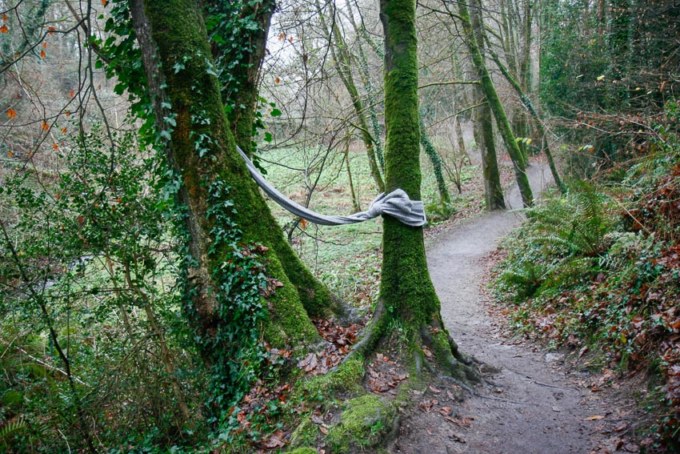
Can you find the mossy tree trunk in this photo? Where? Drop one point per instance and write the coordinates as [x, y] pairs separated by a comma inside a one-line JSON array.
[[494, 102], [177, 58], [528, 105], [241, 66], [409, 302], [493, 190]]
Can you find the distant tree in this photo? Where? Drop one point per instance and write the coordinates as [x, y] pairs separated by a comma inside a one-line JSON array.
[[472, 31]]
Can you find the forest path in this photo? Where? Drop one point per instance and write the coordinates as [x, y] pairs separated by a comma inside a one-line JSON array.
[[531, 405]]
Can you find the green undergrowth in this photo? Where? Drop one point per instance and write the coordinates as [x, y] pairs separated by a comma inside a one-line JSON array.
[[599, 270]]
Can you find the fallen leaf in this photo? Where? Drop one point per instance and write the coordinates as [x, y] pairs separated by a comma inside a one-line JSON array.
[[317, 419], [275, 441], [4, 29], [464, 422], [434, 390], [445, 411], [11, 113], [594, 418]]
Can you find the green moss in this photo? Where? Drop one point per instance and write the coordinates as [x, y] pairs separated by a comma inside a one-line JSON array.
[[345, 379], [363, 425], [305, 434], [202, 150], [303, 451]]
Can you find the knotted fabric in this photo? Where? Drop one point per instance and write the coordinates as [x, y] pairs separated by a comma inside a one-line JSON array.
[[396, 204]]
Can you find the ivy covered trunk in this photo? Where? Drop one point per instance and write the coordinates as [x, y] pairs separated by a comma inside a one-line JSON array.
[[237, 290], [518, 162], [240, 65], [408, 298], [437, 168]]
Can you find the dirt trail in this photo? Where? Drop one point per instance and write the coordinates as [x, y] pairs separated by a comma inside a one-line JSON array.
[[531, 405]]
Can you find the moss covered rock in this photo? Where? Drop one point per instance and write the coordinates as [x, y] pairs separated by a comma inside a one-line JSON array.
[[363, 425]]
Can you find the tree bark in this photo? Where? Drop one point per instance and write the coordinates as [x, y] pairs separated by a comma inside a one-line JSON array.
[[494, 102], [177, 58], [526, 102], [406, 291], [241, 93]]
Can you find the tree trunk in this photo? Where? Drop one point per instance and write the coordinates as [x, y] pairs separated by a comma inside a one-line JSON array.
[[495, 103], [493, 190], [239, 89], [545, 146], [461, 138], [407, 294], [201, 150], [356, 205], [436, 160], [343, 60]]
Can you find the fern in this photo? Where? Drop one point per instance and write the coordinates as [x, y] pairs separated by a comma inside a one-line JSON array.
[[11, 429]]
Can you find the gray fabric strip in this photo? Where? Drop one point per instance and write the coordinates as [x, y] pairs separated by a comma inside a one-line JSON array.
[[396, 204]]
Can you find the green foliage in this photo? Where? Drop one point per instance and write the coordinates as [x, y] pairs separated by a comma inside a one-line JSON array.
[[89, 256], [241, 280], [560, 243], [619, 66]]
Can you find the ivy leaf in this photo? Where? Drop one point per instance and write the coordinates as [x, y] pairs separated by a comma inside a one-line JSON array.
[[276, 113], [268, 137]]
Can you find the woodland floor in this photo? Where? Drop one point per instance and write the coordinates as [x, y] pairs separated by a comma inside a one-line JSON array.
[[532, 401]]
